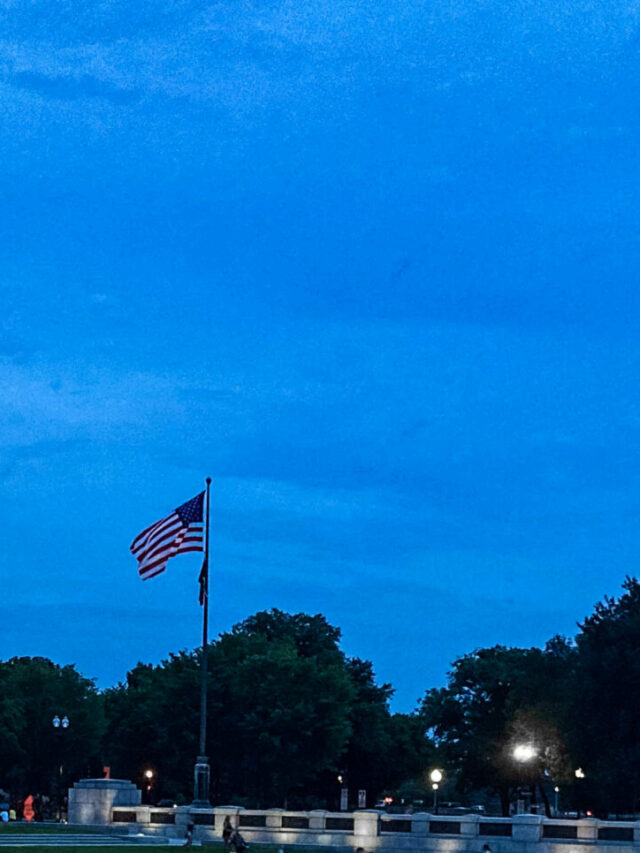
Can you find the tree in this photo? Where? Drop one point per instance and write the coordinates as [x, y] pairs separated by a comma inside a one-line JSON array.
[[278, 711], [495, 697], [384, 749], [280, 706], [152, 722], [606, 727], [286, 712], [35, 756]]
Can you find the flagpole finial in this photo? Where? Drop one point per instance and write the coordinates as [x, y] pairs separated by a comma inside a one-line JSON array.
[[208, 481]]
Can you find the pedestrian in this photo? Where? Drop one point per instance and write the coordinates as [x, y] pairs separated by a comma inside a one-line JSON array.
[[28, 811], [237, 842], [227, 831], [4, 807], [189, 836]]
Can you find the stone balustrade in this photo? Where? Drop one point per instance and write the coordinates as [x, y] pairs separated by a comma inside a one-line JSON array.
[[373, 830]]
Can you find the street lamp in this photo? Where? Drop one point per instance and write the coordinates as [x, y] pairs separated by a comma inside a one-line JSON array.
[[523, 754], [579, 774], [556, 791], [436, 778], [149, 775], [62, 725]]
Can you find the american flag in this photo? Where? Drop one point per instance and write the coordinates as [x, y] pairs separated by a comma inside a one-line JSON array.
[[178, 533]]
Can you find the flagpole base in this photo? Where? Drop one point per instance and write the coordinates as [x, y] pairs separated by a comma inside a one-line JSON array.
[[201, 779]]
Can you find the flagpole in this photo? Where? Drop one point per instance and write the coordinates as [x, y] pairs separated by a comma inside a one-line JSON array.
[[202, 770]]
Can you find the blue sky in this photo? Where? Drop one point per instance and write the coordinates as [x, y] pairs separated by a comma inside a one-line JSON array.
[[370, 265]]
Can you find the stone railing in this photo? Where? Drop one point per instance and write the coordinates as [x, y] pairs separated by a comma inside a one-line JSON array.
[[374, 830]]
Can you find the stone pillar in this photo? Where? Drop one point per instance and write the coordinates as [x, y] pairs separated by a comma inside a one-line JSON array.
[[223, 811], [274, 818], [420, 824], [469, 825], [91, 800], [527, 827], [588, 829], [365, 828], [183, 820], [143, 815], [317, 818]]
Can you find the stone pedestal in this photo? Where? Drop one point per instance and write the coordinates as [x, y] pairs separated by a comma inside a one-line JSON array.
[[420, 824], [469, 825], [231, 812], [588, 829], [527, 827], [365, 828], [273, 818], [91, 800], [183, 821], [317, 818], [201, 781]]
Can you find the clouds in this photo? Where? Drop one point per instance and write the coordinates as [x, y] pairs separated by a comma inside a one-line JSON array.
[[370, 265], [65, 88]]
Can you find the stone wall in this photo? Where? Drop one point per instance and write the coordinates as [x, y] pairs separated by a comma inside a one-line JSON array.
[[377, 831]]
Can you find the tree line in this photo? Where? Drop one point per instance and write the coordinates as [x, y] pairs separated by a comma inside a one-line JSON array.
[[289, 713]]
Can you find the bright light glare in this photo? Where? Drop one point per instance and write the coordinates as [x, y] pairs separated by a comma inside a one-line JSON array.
[[580, 774], [436, 775], [524, 752], [148, 774]]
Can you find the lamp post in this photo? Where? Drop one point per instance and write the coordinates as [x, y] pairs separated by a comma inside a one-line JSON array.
[[61, 725], [579, 774], [149, 775], [344, 791], [524, 753], [556, 791], [436, 778]]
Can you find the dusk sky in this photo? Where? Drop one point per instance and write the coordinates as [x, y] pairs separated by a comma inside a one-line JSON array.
[[372, 266]]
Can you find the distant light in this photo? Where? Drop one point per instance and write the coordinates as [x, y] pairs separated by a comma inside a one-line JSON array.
[[388, 800], [589, 813], [148, 774], [557, 790], [56, 722], [436, 775], [524, 752], [580, 774], [435, 786], [65, 722]]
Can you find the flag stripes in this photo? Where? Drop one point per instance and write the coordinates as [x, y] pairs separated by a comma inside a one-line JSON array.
[[179, 533]]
